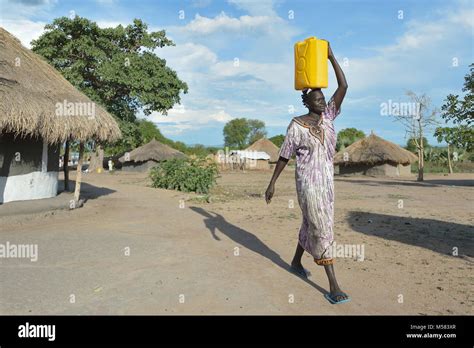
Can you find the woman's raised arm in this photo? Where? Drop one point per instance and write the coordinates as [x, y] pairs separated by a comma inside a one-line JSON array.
[[341, 80]]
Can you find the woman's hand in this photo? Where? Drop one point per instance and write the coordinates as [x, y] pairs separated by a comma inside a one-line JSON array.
[[269, 193]]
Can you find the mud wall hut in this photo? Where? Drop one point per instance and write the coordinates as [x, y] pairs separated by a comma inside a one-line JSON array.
[[374, 156], [40, 110]]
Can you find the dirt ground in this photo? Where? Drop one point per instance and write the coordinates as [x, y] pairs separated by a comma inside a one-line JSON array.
[[133, 249]]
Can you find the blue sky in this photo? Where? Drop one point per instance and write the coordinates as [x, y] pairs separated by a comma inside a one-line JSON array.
[[386, 52]]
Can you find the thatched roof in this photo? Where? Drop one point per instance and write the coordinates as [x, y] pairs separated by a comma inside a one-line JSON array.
[[154, 150], [30, 89], [374, 150], [267, 146]]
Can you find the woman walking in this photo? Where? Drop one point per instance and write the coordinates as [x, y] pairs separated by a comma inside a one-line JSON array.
[[312, 139]]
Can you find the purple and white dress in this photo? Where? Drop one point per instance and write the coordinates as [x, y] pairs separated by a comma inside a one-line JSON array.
[[314, 143]]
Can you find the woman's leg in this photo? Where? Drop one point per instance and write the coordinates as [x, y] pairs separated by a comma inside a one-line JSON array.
[[333, 286], [296, 262]]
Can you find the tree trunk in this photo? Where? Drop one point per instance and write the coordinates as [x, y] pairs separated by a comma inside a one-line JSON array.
[[421, 153], [66, 166], [449, 161], [97, 159], [77, 190]]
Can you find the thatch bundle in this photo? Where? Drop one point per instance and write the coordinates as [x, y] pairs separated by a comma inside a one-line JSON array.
[[30, 90], [374, 150], [154, 150], [265, 145]]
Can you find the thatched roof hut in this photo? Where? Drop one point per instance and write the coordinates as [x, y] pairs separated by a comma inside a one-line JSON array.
[[39, 110], [148, 155], [265, 145], [374, 156], [31, 92]]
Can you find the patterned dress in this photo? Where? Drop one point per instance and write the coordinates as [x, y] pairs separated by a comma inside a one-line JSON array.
[[314, 143]]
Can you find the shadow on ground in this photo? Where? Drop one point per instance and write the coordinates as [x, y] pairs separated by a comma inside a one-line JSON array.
[[88, 191], [59, 202], [436, 235], [394, 182], [216, 222]]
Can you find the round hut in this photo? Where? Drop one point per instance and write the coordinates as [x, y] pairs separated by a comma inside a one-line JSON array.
[[374, 156], [39, 111], [147, 156], [265, 145]]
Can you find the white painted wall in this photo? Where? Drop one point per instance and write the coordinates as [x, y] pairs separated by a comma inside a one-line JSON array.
[[35, 185]]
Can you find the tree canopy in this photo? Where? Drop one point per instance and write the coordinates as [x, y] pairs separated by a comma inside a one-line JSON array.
[[116, 67], [277, 139], [348, 136], [241, 132], [461, 112]]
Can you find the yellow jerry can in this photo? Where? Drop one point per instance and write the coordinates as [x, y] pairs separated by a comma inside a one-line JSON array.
[[311, 63]]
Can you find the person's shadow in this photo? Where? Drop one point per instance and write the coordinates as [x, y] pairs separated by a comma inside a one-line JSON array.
[[248, 240]]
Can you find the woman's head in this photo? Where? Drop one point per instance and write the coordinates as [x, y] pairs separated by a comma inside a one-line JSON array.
[[314, 100]]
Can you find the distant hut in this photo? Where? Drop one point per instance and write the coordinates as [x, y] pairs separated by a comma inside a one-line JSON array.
[[39, 112], [249, 160], [265, 145], [147, 156], [374, 156]]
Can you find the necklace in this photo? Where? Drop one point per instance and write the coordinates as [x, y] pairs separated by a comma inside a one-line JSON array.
[[313, 125]]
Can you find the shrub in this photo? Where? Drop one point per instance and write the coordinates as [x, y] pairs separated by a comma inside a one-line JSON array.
[[188, 175]]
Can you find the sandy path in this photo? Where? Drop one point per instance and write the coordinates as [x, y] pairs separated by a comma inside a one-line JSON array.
[[188, 253]]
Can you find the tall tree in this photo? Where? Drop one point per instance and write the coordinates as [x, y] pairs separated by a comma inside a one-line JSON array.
[[460, 111], [257, 131], [116, 67], [411, 144], [347, 137], [241, 132], [447, 135], [236, 132], [417, 123]]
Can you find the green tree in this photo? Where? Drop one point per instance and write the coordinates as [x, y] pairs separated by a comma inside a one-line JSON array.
[[348, 136], [257, 131], [236, 132], [447, 135], [461, 113], [115, 67], [149, 131], [240, 132], [411, 144], [277, 139]]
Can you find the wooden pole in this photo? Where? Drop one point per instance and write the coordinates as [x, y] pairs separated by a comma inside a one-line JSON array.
[[449, 161], [77, 190], [66, 166]]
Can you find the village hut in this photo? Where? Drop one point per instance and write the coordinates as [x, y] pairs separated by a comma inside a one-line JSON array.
[[147, 156], [249, 160], [374, 156], [39, 111], [265, 145]]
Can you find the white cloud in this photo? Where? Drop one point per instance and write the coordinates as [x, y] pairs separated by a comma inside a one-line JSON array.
[[201, 25], [416, 58], [180, 119], [23, 29], [188, 56], [271, 75]]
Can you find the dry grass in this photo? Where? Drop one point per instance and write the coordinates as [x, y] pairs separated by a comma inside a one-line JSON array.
[[374, 150], [30, 89]]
